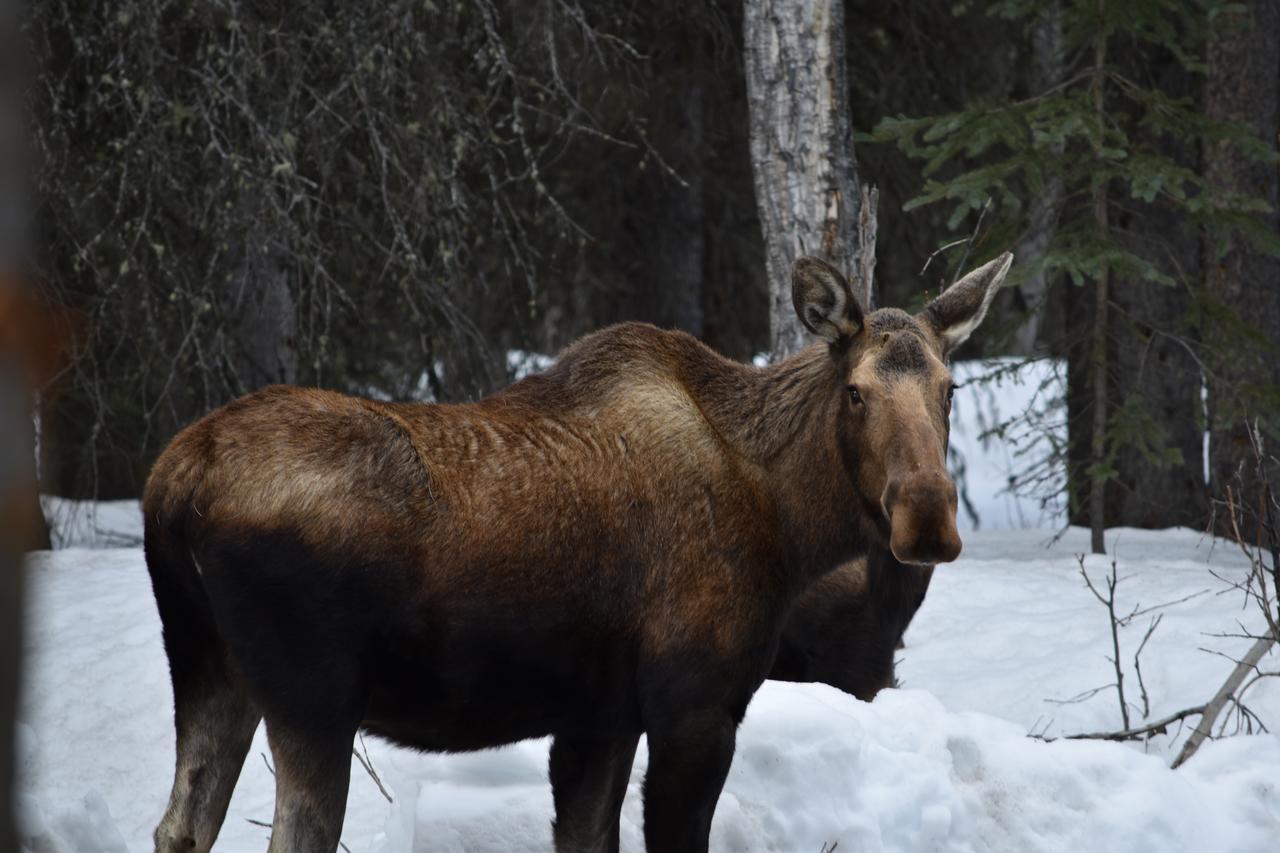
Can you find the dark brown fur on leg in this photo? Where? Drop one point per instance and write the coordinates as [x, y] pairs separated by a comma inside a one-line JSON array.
[[312, 777], [688, 763], [589, 781]]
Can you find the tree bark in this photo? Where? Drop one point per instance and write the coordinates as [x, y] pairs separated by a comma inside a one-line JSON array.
[[1243, 58], [1155, 364], [21, 339], [669, 239], [807, 191], [1044, 73], [1155, 372], [17, 488], [1098, 358], [259, 333]]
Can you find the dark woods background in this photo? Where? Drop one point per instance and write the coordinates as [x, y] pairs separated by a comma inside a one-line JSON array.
[[388, 198]]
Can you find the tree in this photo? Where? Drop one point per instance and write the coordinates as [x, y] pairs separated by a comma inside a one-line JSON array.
[[807, 190], [1044, 72], [1242, 280]]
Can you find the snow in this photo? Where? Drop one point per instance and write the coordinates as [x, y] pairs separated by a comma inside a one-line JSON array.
[[1007, 418], [92, 524], [944, 764]]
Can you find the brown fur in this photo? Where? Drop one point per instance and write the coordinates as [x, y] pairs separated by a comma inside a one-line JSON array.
[[607, 549]]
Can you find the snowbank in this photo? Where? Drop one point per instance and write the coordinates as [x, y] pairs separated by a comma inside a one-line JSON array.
[[1005, 630]]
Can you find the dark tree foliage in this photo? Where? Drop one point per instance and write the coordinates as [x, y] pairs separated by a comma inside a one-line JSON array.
[[1117, 137], [383, 199]]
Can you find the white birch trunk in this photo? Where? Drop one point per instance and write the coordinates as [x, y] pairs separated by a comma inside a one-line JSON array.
[[806, 183]]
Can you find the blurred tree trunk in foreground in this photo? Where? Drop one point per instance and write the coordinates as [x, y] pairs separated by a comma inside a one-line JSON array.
[[807, 190], [22, 337], [1243, 281]]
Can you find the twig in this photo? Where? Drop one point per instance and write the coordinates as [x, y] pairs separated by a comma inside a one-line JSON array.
[[1137, 666], [977, 229], [266, 825], [368, 766], [1158, 727], [939, 251], [1110, 602]]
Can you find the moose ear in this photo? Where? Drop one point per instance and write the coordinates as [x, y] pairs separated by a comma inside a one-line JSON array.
[[824, 301], [960, 309]]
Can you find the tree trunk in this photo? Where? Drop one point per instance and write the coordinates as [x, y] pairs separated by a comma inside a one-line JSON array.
[[1244, 56], [806, 183], [1156, 381], [668, 243], [1098, 358], [17, 490], [258, 337], [1044, 73], [19, 500], [1156, 394]]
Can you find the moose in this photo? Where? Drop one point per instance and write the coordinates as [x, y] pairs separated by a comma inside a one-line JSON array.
[[609, 549], [845, 630]]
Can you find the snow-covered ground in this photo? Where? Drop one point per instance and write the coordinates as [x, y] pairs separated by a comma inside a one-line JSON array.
[[1007, 632], [1008, 637]]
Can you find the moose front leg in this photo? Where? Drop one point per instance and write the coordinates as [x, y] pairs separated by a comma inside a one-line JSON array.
[[689, 758]]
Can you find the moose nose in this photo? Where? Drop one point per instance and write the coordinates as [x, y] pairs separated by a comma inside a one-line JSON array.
[[921, 508]]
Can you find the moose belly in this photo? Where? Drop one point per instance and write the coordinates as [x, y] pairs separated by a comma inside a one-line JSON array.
[[472, 657], [484, 685]]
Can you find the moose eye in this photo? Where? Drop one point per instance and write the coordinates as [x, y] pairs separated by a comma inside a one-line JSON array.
[[951, 393], [854, 395]]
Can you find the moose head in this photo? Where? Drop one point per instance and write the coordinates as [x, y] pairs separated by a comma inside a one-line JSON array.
[[894, 424]]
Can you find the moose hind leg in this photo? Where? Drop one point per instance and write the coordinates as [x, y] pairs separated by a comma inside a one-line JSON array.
[[215, 721], [689, 759], [313, 772], [588, 782]]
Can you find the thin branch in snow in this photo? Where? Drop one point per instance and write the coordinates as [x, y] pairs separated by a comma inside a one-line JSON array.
[[1110, 601], [266, 825], [1158, 727], [1137, 666], [368, 767]]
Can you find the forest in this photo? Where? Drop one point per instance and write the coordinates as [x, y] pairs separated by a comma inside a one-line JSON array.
[[426, 201]]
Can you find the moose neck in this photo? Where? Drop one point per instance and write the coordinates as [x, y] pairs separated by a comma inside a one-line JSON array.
[[785, 418]]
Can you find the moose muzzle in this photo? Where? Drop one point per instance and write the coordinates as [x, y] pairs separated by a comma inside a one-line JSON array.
[[921, 508]]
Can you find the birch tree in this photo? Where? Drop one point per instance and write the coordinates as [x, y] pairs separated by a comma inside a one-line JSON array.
[[808, 195]]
